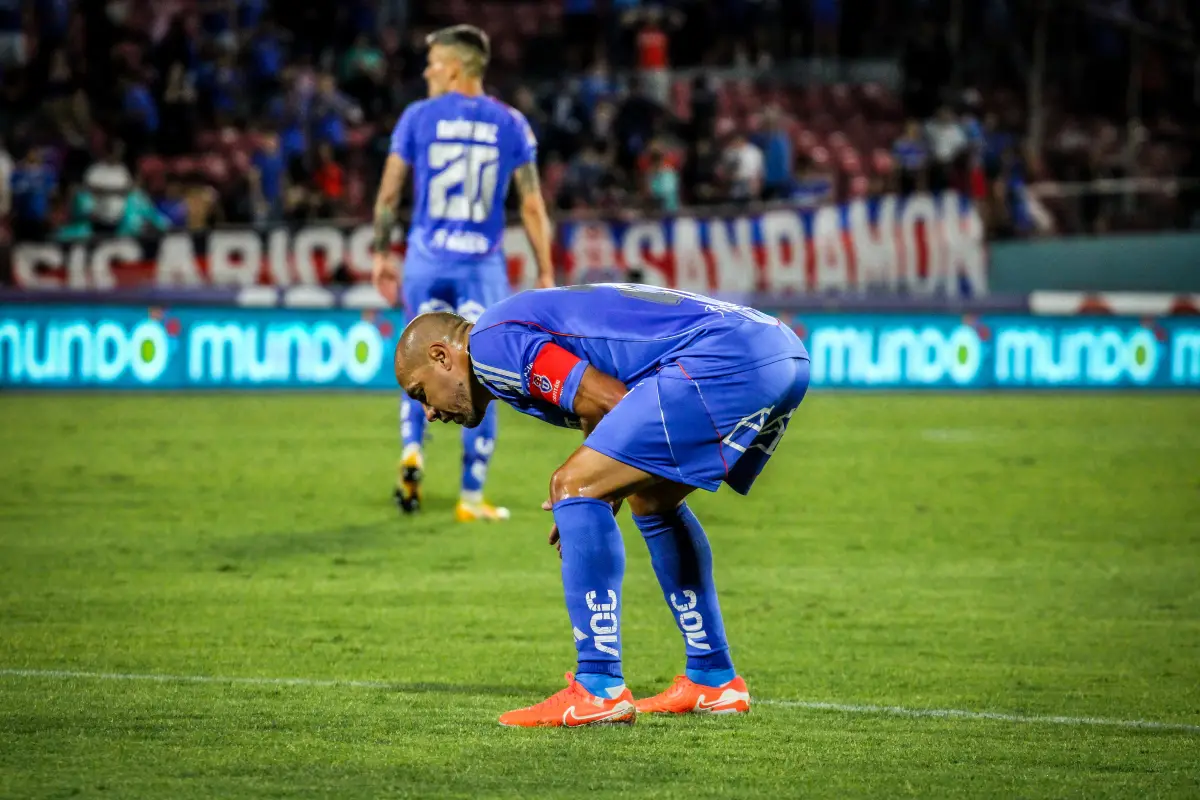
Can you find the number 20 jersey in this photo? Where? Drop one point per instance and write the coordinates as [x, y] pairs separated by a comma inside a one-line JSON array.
[[462, 151]]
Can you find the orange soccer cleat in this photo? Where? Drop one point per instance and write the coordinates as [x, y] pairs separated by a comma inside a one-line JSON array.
[[685, 697], [572, 707]]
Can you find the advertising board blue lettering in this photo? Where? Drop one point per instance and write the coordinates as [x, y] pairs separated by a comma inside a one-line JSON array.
[[125, 347], [132, 348]]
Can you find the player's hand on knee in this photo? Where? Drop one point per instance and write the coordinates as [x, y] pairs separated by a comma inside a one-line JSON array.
[[555, 539]]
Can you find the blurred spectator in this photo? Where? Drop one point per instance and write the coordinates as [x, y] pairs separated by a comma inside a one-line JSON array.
[[946, 143], [597, 84], [331, 110], [108, 183], [662, 180], [744, 164], [995, 142], [172, 205], [203, 204], [364, 73], [242, 201], [584, 174], [219, 84], [176, 134], [141, 120], [289, 113], [912, 158], [634, 124], [266, 59], [330, 181], [700, 172], [653, 45], [33, 186], [269, 163], [814, 185], [703, 108], [565, 120], [776, 145]]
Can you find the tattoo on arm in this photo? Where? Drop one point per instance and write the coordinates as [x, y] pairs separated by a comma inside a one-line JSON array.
[[526, 177], [387, 199]]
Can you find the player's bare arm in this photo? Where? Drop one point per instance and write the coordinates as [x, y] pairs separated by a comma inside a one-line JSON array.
[[597, 395], [384, 273], [536, 220]]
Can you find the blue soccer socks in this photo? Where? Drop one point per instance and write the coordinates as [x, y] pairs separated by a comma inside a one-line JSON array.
[[593, 567], [682, 560], [478, 444]]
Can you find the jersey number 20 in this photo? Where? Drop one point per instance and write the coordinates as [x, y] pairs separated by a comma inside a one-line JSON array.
[[465, 189]]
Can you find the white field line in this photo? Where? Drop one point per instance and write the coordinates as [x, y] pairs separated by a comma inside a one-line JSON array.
[[845, 708]]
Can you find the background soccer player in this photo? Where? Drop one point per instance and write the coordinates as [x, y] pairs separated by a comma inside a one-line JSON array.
[[674, 392], [462, 147]]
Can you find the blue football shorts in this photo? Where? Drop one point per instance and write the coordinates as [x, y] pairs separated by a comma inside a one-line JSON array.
[[466, 294], [704, 431]]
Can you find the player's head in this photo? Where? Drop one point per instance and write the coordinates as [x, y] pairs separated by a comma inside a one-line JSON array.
[[457, 55], [433, 366]]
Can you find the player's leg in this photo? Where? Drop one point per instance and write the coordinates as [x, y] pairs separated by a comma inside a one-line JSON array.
[[683, 563], [582, 491], [722, 429], [489, 285], [421, 294]]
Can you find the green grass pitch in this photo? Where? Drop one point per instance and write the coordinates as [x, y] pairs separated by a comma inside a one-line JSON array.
[[1034, 556]]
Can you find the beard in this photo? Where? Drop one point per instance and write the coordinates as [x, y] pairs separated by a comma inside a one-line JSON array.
[[471, 418]]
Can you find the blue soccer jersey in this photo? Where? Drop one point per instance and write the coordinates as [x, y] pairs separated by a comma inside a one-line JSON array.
[[627, 331], [462, 151]]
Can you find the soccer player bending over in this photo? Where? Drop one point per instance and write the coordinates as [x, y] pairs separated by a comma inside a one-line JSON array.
[[673, 392], [462, 147]]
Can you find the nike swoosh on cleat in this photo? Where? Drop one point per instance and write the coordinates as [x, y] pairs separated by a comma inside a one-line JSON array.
[[728, 697], [570, 716]]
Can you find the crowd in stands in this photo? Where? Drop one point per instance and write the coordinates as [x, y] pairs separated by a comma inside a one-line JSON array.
[[134, 116]]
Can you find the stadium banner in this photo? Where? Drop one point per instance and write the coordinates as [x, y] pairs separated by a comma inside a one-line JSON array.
[[924, 245], [128, 347]]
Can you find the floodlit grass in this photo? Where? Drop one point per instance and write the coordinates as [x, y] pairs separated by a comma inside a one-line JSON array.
[[1029, 555]]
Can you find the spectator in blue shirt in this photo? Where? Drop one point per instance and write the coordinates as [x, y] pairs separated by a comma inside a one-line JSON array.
[[266, 58], [995, 143], [220, 87], [172, 206], [290, 113], [269, 162], [912, 158], [777, 155], [33, 183], [141, 116], [331, 110]]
